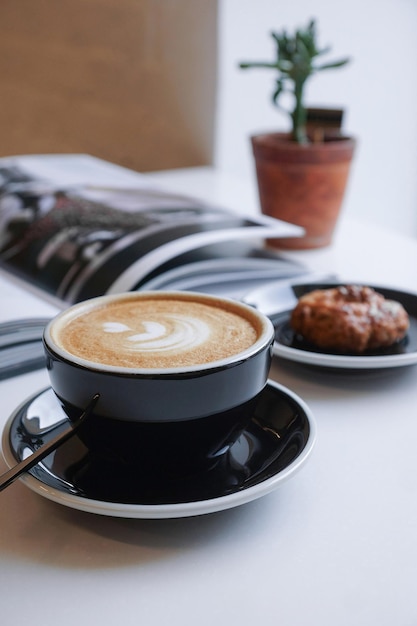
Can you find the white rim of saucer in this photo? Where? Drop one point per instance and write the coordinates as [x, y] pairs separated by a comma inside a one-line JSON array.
[[343, 361]]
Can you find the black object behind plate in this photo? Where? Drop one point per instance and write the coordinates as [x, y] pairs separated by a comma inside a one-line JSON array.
[[279, 432], [292, 346]]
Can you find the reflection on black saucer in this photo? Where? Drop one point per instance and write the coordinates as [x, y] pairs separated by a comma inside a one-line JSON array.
[[279, 436]]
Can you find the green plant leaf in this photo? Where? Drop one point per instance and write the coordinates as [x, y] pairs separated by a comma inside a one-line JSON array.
[[295, 55], [278, 91], [333, 65]]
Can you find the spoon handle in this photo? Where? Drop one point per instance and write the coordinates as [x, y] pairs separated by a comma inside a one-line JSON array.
[[23, 466]]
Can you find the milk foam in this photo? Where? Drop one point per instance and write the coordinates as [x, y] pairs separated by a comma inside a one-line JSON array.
[[156, 332], [178, 332]]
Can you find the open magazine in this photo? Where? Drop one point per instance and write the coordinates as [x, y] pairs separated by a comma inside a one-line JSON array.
[[73, 227]]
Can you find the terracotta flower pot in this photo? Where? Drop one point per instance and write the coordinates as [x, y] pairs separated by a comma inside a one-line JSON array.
[[302, 184]]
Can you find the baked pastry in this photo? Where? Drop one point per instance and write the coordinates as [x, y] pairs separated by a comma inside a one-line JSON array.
[[350, 318]]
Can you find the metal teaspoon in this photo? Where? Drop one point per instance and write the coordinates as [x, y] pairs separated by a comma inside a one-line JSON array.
[[10, 475]]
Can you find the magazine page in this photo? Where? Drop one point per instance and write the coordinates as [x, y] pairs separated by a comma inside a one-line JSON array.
[[23, 317], [76, 227]]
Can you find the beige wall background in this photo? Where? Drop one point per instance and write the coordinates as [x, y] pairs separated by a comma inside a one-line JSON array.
[[130, 81]]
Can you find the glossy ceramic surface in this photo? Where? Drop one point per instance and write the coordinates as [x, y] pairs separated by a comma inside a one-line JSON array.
[[277, 442]]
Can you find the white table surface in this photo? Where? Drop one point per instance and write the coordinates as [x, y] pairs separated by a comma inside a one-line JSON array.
[[335, 545]]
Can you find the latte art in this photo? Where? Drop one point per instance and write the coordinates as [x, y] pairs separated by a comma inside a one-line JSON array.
[[170, 332], [157, 332]]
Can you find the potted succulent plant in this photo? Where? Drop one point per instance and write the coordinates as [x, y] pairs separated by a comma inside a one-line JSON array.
[[301, 177]]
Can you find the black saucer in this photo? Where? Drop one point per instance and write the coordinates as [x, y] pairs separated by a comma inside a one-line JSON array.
[[277, 441]]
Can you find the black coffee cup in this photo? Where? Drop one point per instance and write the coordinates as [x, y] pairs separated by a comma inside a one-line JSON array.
[[169, 417]]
